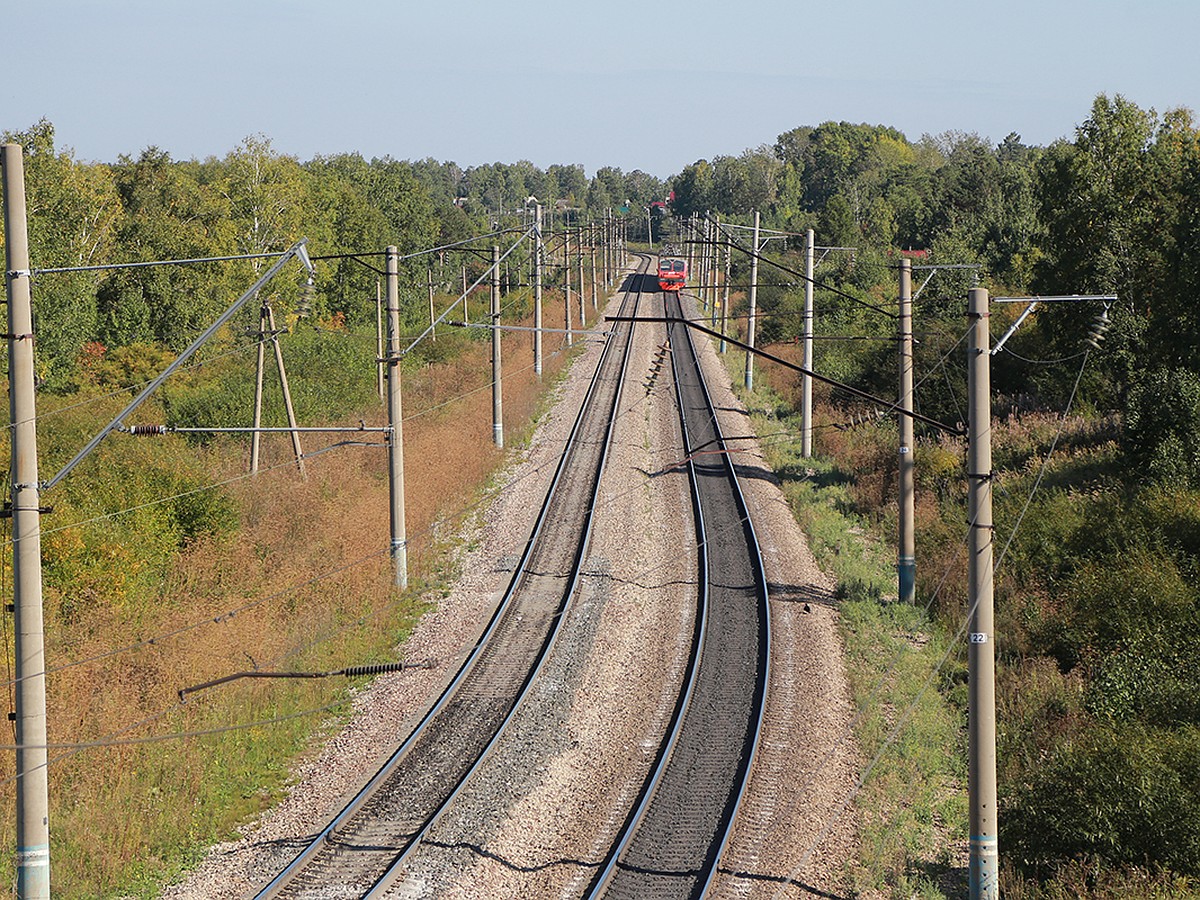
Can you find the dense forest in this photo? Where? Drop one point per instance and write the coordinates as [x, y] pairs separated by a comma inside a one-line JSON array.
[[1097, 444]]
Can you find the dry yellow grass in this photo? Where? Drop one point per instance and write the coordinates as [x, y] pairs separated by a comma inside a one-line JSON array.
[[304, 584]]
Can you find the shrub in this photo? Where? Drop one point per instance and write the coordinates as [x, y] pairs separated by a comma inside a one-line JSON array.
[[224, 401], [1127, 796], [1162, 427], [127, 367]]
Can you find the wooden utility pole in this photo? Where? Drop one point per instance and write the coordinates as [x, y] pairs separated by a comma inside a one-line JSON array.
[[260, 360], [267, 331], [750, 321], [287, 392], [497, 393], [33, 814], [906, 565], [432, 320], [395, 410], [984, 873]]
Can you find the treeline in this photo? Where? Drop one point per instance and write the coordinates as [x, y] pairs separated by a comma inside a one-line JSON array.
[[494, 189], [255, 200], [1098, 511]]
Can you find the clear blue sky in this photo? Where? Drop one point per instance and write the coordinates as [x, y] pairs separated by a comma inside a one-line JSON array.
[[651, 85]]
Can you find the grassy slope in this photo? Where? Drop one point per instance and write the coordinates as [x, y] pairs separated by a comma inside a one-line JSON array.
[[271, 573]]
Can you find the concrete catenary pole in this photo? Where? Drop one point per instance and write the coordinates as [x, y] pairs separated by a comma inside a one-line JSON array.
[[607, 249], [750, 321], [615, 231], [33, 814], [725, 293], [710, 265], [582, 280], [592, 231], [395, 411], [567, 285], [713, 294], [381, 365], [497, 393], [537, 292], [984, 873], [907, 563], [691, 247], [713, 260], [806, 382]]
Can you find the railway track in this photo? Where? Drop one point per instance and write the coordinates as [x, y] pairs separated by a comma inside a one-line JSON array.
[[673, 841], [363, 849]]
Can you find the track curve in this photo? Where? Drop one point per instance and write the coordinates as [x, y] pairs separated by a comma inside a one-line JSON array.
[[674, 839], [363, 847]]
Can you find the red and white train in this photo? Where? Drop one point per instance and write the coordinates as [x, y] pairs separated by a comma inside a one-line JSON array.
[[672, 274]]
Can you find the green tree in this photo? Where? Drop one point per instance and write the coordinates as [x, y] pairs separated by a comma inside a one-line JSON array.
[[571, 182], [167, 215], [694, 189], [1162, 426], [267, 195], [1112, 203], [641, 189], [73, 212]]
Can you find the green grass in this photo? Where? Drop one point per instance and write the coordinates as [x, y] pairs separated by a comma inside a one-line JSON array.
[[909, 697]]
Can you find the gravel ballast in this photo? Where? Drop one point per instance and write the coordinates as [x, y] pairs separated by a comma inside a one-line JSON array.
[[536, 820]]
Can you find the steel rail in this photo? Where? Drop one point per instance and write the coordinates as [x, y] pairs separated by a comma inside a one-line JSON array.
[[619, 876], [278, 886], [394, 871], [760, 700]]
